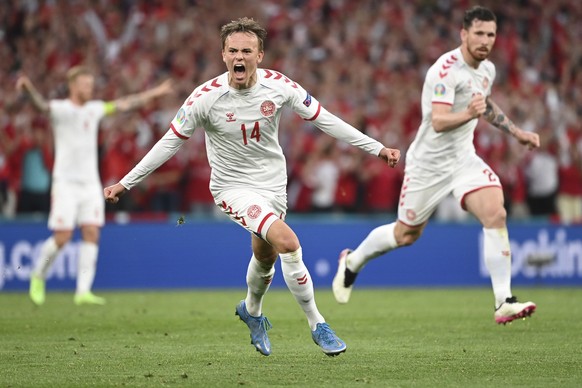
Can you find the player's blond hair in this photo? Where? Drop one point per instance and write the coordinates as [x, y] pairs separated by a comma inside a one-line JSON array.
[[243, 25], [77, 71]]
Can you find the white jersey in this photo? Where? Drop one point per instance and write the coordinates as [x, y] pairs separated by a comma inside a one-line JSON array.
[[242, 131], [450, 80], [75, 134]]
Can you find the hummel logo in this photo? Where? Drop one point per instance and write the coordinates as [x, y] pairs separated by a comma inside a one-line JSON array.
[[230, 117]]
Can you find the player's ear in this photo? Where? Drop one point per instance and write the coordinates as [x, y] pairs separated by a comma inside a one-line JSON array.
[[463, 35], [260, 56]]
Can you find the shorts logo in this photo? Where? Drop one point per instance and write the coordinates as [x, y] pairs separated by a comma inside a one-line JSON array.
[[268, 108], [411, 214], [181, 116], [254, 211], [307, 101], [440, 90]]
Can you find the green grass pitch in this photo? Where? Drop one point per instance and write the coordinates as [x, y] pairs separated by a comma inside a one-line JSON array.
[[396, 338]]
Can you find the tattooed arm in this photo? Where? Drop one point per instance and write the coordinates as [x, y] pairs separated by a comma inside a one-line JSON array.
[[495, 116]]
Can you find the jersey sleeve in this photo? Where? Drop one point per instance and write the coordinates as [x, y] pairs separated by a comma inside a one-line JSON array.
[[98, 108], [163, 150], [493, 74], [441, 84], [187, 119], [308, 108], [55, 108], [190, 116], [303, 103], [336, 127]]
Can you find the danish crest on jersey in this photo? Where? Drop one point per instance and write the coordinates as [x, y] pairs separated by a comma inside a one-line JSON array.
[[307, 100], [254, 211], [181, 116], [440, 90], [268, 108]]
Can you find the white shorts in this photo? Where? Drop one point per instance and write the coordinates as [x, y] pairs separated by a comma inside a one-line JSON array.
[[254, 211], [421, 194], [76, 204]]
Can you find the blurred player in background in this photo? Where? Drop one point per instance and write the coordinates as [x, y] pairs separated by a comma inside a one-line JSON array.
[[76, 198], [442, 160], [240, 112]]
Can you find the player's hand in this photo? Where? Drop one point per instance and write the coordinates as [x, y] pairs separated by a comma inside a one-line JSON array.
[[165, 87], [390, 155], [22, 83], [529, 139], [114, 192], [477, 105]]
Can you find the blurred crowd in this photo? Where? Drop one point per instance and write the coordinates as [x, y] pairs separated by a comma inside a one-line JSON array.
[[364, 60]]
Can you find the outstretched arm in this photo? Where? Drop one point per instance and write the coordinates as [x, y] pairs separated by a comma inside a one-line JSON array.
[[163, 150], [496, 117], [138, 100], [336, 127], [23, 83]]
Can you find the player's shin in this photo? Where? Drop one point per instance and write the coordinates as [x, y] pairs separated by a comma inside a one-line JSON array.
[[379, 241], [497, 256], [48, 253], [87, 267], [299, 282], [259, 277]]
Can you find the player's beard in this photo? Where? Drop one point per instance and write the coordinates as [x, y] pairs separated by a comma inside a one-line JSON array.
[[479, 55]]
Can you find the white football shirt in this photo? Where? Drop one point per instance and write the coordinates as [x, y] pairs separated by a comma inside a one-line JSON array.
[[450, 80], [75, 131], [242, 131]]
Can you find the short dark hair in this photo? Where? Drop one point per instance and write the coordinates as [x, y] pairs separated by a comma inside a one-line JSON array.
[[243, 25], [478, 13]]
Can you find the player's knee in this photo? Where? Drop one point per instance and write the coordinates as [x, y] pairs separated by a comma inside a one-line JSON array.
[[495, 218], [408, 239], [286, 243], [62, 237], [90, 234]]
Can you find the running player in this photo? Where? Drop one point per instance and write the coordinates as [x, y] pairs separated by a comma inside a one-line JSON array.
[[240, 112], [442, 160]]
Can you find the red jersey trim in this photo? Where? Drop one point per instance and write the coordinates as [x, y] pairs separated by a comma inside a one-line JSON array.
[[410, 225], [259, 230], [178, 133], [316, 113]]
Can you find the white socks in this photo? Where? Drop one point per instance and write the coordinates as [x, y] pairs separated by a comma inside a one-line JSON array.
[[497, 256], [299, 282], [379, 241], [86, 267], [48, 253], [259, 277]]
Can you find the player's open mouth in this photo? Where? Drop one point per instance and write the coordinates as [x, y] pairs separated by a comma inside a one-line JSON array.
[[239, 69]]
